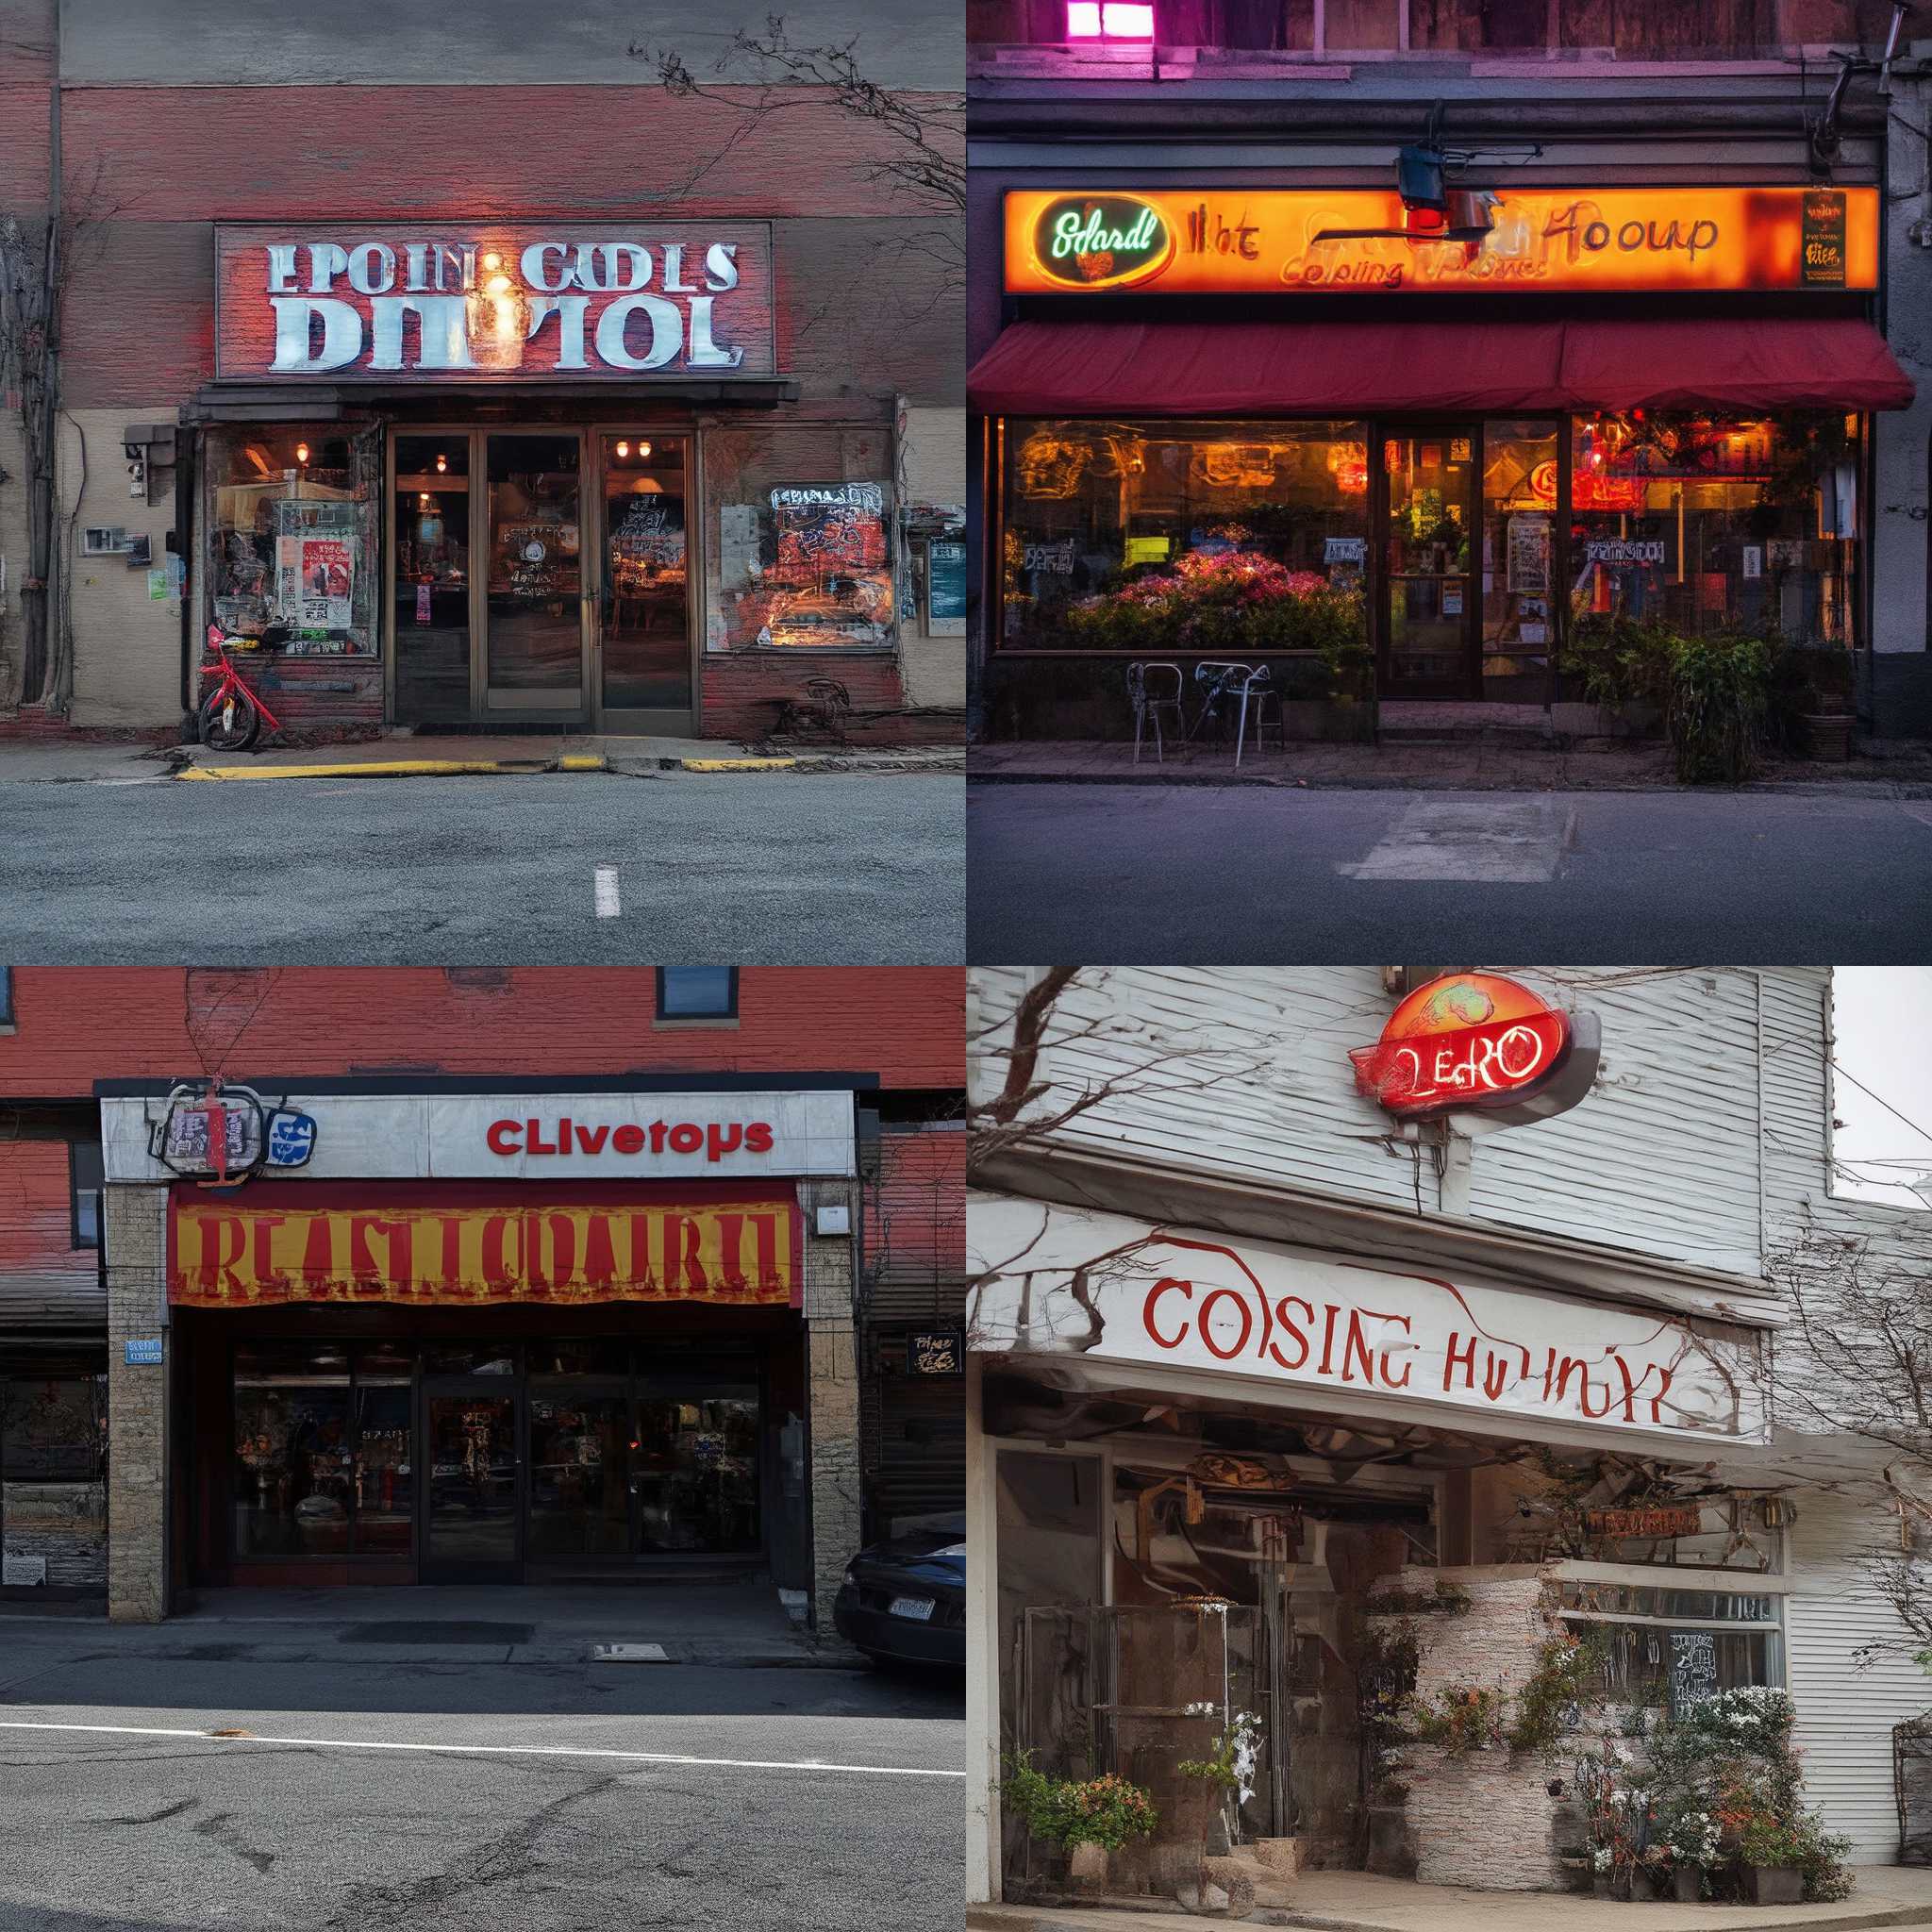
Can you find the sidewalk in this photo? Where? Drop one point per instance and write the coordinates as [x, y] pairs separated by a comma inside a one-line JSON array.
[[1901, 769], [728, 1624], [1360, 1902]]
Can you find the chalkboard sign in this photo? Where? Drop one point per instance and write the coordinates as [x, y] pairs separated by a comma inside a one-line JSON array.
[[1694, 1668]]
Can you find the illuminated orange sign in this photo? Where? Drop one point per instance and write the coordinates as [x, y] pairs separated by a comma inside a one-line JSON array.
[[1474, 1040], [304, 1242], [1181, 241]]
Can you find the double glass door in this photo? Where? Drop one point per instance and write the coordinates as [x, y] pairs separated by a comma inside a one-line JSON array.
[[540, 575], [473, 1514]]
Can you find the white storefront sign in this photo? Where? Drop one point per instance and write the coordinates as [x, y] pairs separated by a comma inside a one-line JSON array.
[[1068, 1281], [707, 1136]]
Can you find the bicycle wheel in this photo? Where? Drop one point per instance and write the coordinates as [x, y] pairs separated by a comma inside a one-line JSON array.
[[230, 721]]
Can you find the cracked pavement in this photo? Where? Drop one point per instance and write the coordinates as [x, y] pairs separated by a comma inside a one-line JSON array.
[[500, 1827]]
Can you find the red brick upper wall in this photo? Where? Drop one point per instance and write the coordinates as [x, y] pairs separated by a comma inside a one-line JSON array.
[[76, 1026], [36, 1219], [381, 154]]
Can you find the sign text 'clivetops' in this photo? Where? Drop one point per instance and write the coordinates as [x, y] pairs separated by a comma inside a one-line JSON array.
[[671, 299], [1295, 241], [563, 1137]]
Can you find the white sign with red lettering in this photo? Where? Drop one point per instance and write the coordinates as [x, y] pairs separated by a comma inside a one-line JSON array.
[[690, 1136], [1068, 1281]]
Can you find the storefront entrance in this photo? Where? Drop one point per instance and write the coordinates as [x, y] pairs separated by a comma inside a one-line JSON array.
[[539, 577], [491, 1462], [1427, 641]]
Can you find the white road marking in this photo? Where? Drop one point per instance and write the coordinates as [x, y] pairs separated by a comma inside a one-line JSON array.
[[1490, 841], [496, 1750], [607, 907]]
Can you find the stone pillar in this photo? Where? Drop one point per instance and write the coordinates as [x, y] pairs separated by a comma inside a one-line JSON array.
[[832, 1376], [134, 1232]]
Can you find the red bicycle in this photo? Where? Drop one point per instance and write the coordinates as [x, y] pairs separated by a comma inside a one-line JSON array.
[[231, 714]]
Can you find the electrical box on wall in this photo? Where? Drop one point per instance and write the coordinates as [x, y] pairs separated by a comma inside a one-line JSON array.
[[835, 1217]]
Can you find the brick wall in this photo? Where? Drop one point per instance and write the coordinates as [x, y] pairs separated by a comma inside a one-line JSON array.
[[79, 1024], [1484, 1819], [135, 1233]]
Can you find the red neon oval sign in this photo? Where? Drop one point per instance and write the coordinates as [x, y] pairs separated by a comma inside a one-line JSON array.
[[1471, 1039]]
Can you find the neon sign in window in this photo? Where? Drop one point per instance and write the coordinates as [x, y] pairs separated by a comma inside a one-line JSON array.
[[1090, 20]]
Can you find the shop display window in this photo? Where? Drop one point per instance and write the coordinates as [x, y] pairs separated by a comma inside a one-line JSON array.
[[54, 1470], [291, 518], [1230, 538], [695, 1468], [1706, 524], [1519, 558], [803, 555]]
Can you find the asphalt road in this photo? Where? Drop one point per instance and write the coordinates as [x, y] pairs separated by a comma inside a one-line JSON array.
[[570, 1796], [1174, 875], [765, 869]]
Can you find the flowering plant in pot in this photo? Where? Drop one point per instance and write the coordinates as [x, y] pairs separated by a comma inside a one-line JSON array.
[[1086, 1817], [1232, 1756]]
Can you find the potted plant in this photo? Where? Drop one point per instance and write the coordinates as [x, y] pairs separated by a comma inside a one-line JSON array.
[[1687, 1842], [1229, 1766], [1769, 1862], [1085, 1818]]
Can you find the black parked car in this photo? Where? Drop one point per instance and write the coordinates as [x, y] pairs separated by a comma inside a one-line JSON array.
[[905, 1601]]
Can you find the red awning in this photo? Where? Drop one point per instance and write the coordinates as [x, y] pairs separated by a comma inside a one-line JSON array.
[[1443, 368]]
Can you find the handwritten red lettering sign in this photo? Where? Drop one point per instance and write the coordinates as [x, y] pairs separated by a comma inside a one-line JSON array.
[[1471, 1039]]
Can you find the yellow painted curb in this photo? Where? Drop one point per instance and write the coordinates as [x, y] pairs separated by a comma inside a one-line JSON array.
[[583, 761], [401, 768], [737, 764]]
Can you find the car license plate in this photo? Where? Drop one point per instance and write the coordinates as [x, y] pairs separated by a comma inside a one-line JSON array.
[[916, 1606]]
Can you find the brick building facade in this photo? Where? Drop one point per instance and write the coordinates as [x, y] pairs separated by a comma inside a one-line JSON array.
[[668, 430], [577, 1287]]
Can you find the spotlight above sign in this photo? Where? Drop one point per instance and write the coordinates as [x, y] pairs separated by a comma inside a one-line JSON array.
[[441, 304]]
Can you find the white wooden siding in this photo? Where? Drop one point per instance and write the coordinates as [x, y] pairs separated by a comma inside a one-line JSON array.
[[1246, 1072], [1845, 1715]]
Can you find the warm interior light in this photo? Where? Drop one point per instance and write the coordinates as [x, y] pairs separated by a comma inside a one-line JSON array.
[[492, 259], [499, 285], [301, 451], [623, 449], [1083, 20], [423, 499], [1120, 22], [442, 464], [643, 449]]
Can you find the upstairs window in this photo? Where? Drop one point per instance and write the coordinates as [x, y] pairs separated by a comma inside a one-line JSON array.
[[697, 992]]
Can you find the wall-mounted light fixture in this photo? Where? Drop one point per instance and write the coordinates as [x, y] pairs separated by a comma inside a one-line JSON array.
[[1110, 20]]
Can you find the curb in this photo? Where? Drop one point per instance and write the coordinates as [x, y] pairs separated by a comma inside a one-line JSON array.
[[1775, 787], [396, 768], [579, 761], [1049, 1919]]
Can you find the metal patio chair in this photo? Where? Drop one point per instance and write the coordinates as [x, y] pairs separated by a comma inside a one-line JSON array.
[[1153, 688], [1253, 685]]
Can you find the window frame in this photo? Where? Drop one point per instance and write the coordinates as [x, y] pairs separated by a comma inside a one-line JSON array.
[[98, 1246], [664, 1015]]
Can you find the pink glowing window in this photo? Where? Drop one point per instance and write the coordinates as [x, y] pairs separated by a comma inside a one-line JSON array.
[[1091, 20]]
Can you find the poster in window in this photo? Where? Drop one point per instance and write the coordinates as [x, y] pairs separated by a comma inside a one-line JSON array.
[[828, 583], [945, 596], [1529, 555], [1694, 1668]]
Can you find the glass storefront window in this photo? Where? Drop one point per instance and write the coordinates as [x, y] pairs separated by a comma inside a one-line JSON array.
[[292, 536], [54, 1471], [579, 1472], [1707, 524], [696, 1471], [295, 1470], [1095, 509], [1645, 1660], [647, 613]]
